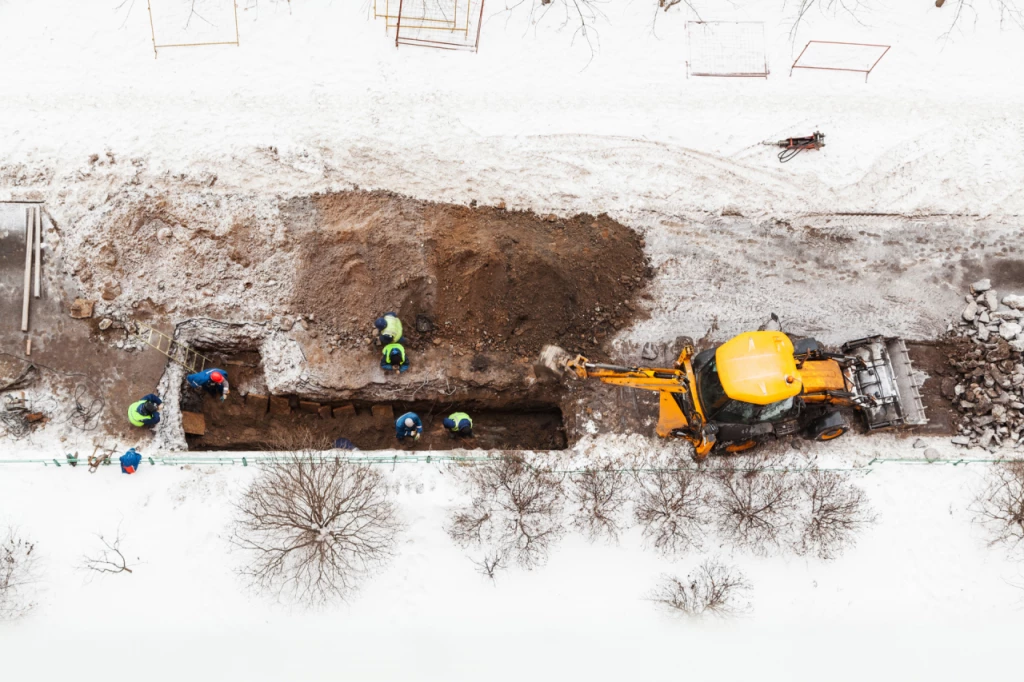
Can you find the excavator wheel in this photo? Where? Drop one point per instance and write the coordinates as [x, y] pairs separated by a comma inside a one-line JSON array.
[[735, 446], [831, 434], [828, 427]]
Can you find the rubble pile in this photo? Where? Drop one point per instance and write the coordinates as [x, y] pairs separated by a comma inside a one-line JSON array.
[[988, 390]]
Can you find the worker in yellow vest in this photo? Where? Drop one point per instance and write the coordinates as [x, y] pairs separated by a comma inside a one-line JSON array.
[[394, 358], [390, 328], [145, 412], [459, 424]]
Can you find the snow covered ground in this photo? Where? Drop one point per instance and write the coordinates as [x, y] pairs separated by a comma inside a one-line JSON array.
[[317, 98]]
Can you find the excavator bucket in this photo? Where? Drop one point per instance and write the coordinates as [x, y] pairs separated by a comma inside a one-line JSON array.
[[886, 388], [554, 359]]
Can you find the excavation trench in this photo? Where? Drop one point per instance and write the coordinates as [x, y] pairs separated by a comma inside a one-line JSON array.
[[289, 423], [255, 417]]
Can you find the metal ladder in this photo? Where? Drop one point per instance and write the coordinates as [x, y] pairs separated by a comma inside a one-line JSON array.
[[178, 352]]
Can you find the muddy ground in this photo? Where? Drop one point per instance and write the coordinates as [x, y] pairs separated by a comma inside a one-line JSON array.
[[475, 278], [488, 287]]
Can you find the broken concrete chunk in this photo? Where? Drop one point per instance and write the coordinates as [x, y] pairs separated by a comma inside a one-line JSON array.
[[279, 405], [960, 440], [194, 423], [983, 334], [344, 411], [970, 312], [256, 403], [82, 309], [983, 317], [1014, 301], [920, 444], [981, 285], [991, 299], [383, 416], [1009, 330], [105, 323]]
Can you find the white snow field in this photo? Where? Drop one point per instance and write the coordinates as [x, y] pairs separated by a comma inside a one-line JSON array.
[[317, 98]]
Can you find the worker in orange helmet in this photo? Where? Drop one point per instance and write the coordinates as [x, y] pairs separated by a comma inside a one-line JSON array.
[[213, 381]]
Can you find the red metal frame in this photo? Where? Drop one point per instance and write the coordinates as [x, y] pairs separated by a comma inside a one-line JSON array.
[[866, 72], [438, 44]]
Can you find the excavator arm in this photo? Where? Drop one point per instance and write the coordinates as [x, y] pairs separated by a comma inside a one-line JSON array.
[[680, 413]]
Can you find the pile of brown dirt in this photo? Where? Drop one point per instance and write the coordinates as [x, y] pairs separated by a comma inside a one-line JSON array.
[[484, 278]]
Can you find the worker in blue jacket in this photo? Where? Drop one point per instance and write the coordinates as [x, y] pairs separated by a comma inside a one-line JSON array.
[[145, 412], [409, 425], [130, 461], [214, 381]]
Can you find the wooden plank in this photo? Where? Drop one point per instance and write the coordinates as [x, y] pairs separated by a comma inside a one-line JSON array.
[[193, 423], [28, 269], [38, 238]]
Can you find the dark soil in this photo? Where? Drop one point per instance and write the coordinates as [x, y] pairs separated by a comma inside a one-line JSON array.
[[234, 425], [484, 278]]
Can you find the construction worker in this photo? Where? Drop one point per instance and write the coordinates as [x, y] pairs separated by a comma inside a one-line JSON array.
[[344, 444], [394, 358], [145, 412], [390, 328], [409, 425], [130, 462], [458, 424], [213, 381]]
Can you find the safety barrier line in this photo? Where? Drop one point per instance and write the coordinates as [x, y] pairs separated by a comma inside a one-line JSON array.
[[246, 460]]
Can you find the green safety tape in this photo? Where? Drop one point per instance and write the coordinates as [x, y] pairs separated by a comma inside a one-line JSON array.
[[244, 460]]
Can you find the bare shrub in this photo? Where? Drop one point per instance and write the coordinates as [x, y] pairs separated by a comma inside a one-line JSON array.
[[836, 510], [672, 508], [315, 527], [17, 573], [599, 496], [109, 559], [999, 506], [711, 588], [755, 509], [515, 512]]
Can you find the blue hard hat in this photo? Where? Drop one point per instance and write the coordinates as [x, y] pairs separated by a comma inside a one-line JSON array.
[[395, 355], [380, 323], [465, 426]]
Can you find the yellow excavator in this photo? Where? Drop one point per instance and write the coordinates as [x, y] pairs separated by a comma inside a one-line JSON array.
[[766, 384]]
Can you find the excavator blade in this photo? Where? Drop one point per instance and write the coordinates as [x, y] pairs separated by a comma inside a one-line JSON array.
[[554, 359], [886, 388]]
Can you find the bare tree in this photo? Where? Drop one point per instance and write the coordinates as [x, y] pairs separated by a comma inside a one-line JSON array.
[[999, 506], [110, 558], [582, 15], [515, 512], [835, 511], [803, 7], [756, 508], [491, 563], [599, 496], [315, 527], [1009, 13], [672, 508], [711, 588], [17, 573]]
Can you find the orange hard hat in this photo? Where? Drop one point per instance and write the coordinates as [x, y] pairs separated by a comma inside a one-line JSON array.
[[217, 377]]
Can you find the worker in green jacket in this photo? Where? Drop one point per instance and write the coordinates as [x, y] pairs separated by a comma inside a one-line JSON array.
[[145, 412], [458, 424], [390, 328], [394, 358]]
